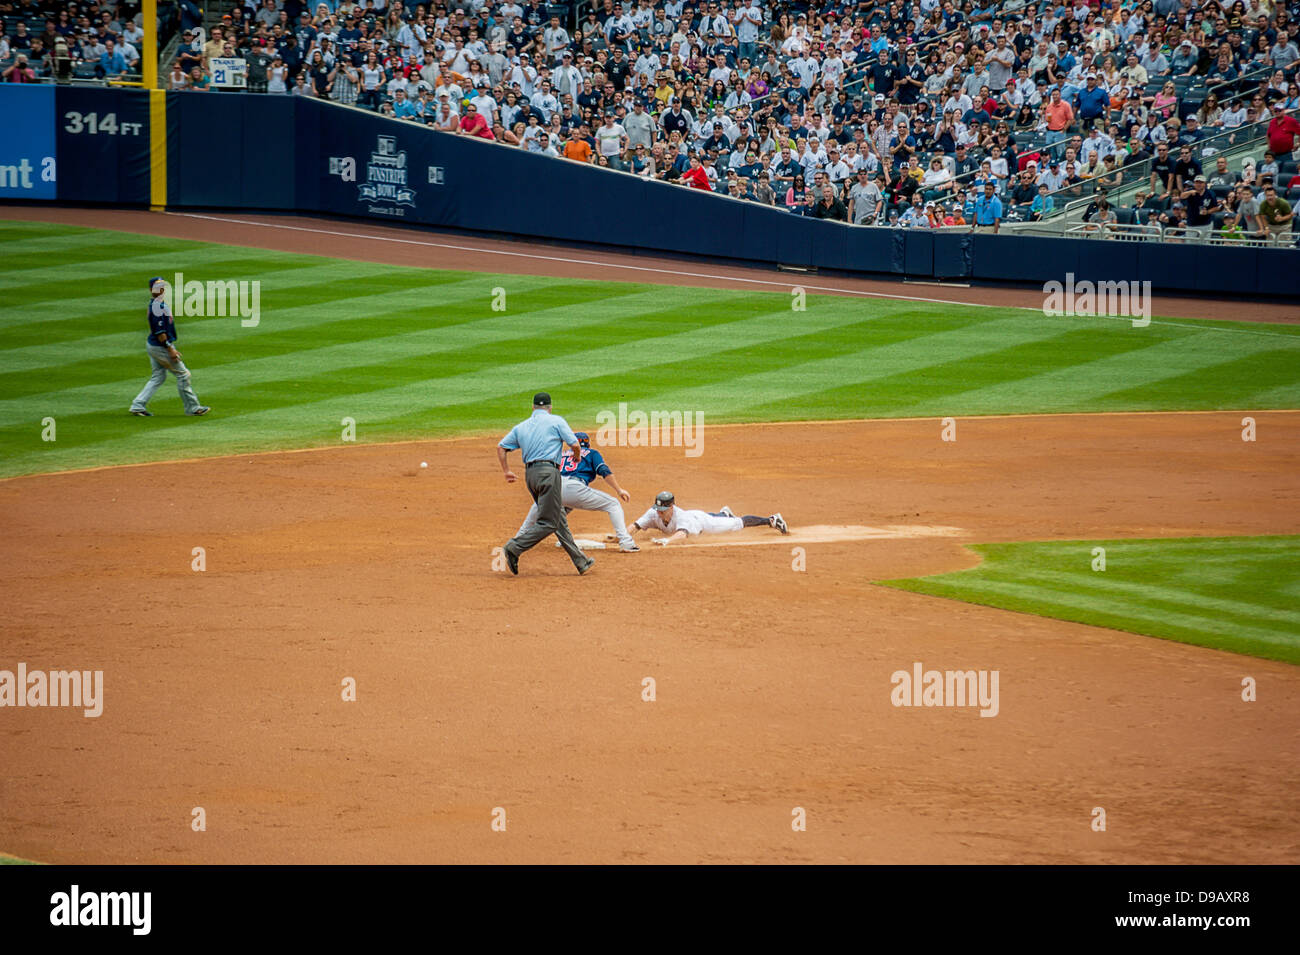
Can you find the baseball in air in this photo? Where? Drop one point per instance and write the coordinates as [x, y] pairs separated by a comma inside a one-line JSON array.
[[424, 464]]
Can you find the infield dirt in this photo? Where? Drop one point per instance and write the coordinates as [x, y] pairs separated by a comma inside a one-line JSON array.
[[478, 690]]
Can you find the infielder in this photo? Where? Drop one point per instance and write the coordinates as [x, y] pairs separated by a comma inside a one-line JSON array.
[[161, 345], [679, 523], [540, 439], [576, 475]]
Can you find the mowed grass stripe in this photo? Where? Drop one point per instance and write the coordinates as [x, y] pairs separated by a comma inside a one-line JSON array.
[[215, 331], [1176, 588], [36, 274], [1158, 596], [285, 289], [1242, 382], [404, 351], [1075, 602], [305, 372], [308, 418], [778, 388], [916, 391], [59, 318], [1180, 356]]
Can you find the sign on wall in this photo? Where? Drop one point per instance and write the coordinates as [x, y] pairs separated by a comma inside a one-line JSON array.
[[28, 169]]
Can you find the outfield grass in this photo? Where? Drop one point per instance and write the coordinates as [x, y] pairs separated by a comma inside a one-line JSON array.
[[412, 352], [1230, 593]]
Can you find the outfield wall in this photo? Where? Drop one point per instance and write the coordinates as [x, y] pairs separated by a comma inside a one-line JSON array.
[[283, 153]]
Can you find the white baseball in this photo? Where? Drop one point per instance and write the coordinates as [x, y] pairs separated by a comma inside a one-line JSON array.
[[424, 464]]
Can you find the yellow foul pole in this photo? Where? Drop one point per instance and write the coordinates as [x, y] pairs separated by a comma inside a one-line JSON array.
[[157, 110], [149, 56]]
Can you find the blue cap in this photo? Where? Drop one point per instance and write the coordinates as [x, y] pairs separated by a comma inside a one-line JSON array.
[[583, 438], [156, 278]]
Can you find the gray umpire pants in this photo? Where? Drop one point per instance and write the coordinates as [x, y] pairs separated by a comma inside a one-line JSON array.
[[543, 481], [162, 363], [574, 494]]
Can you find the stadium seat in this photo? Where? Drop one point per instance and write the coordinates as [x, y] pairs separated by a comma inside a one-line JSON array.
[[1124, 215]]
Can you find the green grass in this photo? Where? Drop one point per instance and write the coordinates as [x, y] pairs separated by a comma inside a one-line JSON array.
[[14, 860], [412, 352], [1229, 593]]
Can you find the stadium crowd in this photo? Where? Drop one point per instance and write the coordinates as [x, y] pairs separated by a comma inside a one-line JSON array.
[[918, 113]]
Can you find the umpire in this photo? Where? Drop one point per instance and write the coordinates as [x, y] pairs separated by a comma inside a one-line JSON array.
[[541, 439]]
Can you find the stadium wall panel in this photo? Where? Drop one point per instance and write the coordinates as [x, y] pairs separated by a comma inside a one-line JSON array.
[[289, 153]]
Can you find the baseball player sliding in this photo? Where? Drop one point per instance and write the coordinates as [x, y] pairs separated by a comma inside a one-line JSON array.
[[679, 523], [576, 475]]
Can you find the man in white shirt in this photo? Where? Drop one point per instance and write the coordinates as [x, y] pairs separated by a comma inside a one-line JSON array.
[[748, 21], [523, 74], [1096, 142], [544, 100], [567, 79], [555, 38], [611, 141]]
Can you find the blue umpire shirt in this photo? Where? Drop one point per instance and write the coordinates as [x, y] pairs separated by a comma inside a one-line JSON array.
[[542, 437]]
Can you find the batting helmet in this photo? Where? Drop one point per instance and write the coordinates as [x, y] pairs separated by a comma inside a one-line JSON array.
[[583, 439], [664, 499]]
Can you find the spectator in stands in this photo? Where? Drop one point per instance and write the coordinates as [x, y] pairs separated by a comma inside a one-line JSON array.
[[988, 211], [1059, 116], [1276, 215], [1092, 102], [20, 71], [830, 206], [1186, 169], [1201, 206], [1282, 131], [472, 123], [866, 199], [1246, 216], [611, 141], [1043, 204]]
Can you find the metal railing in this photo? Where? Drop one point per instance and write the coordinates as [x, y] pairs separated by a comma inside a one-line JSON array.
[[1136, 175], [1186, 235]]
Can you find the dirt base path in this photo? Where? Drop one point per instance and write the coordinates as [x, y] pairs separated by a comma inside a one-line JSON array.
[[372, 242], [478, 690]]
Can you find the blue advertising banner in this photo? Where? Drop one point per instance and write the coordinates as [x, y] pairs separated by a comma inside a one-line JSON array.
[[28, 169]]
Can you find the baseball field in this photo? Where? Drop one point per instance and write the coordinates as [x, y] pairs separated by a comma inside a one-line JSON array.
[[310, 637]]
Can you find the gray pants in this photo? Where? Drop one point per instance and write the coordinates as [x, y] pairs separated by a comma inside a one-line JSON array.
[[575, 494], [162, 363], [543, 482]]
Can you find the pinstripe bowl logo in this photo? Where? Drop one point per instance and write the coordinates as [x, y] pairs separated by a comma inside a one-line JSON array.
[[386, 178]]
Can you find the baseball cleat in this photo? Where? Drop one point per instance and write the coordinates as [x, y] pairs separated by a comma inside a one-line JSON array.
[[779, 523], [630, 549], [200, 410], [512, 561], [586, 567], [727, 512], [142, 413]]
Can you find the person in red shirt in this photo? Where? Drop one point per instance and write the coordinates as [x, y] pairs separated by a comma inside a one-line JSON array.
[[1282, 131], [473, 124], [696, 177]]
